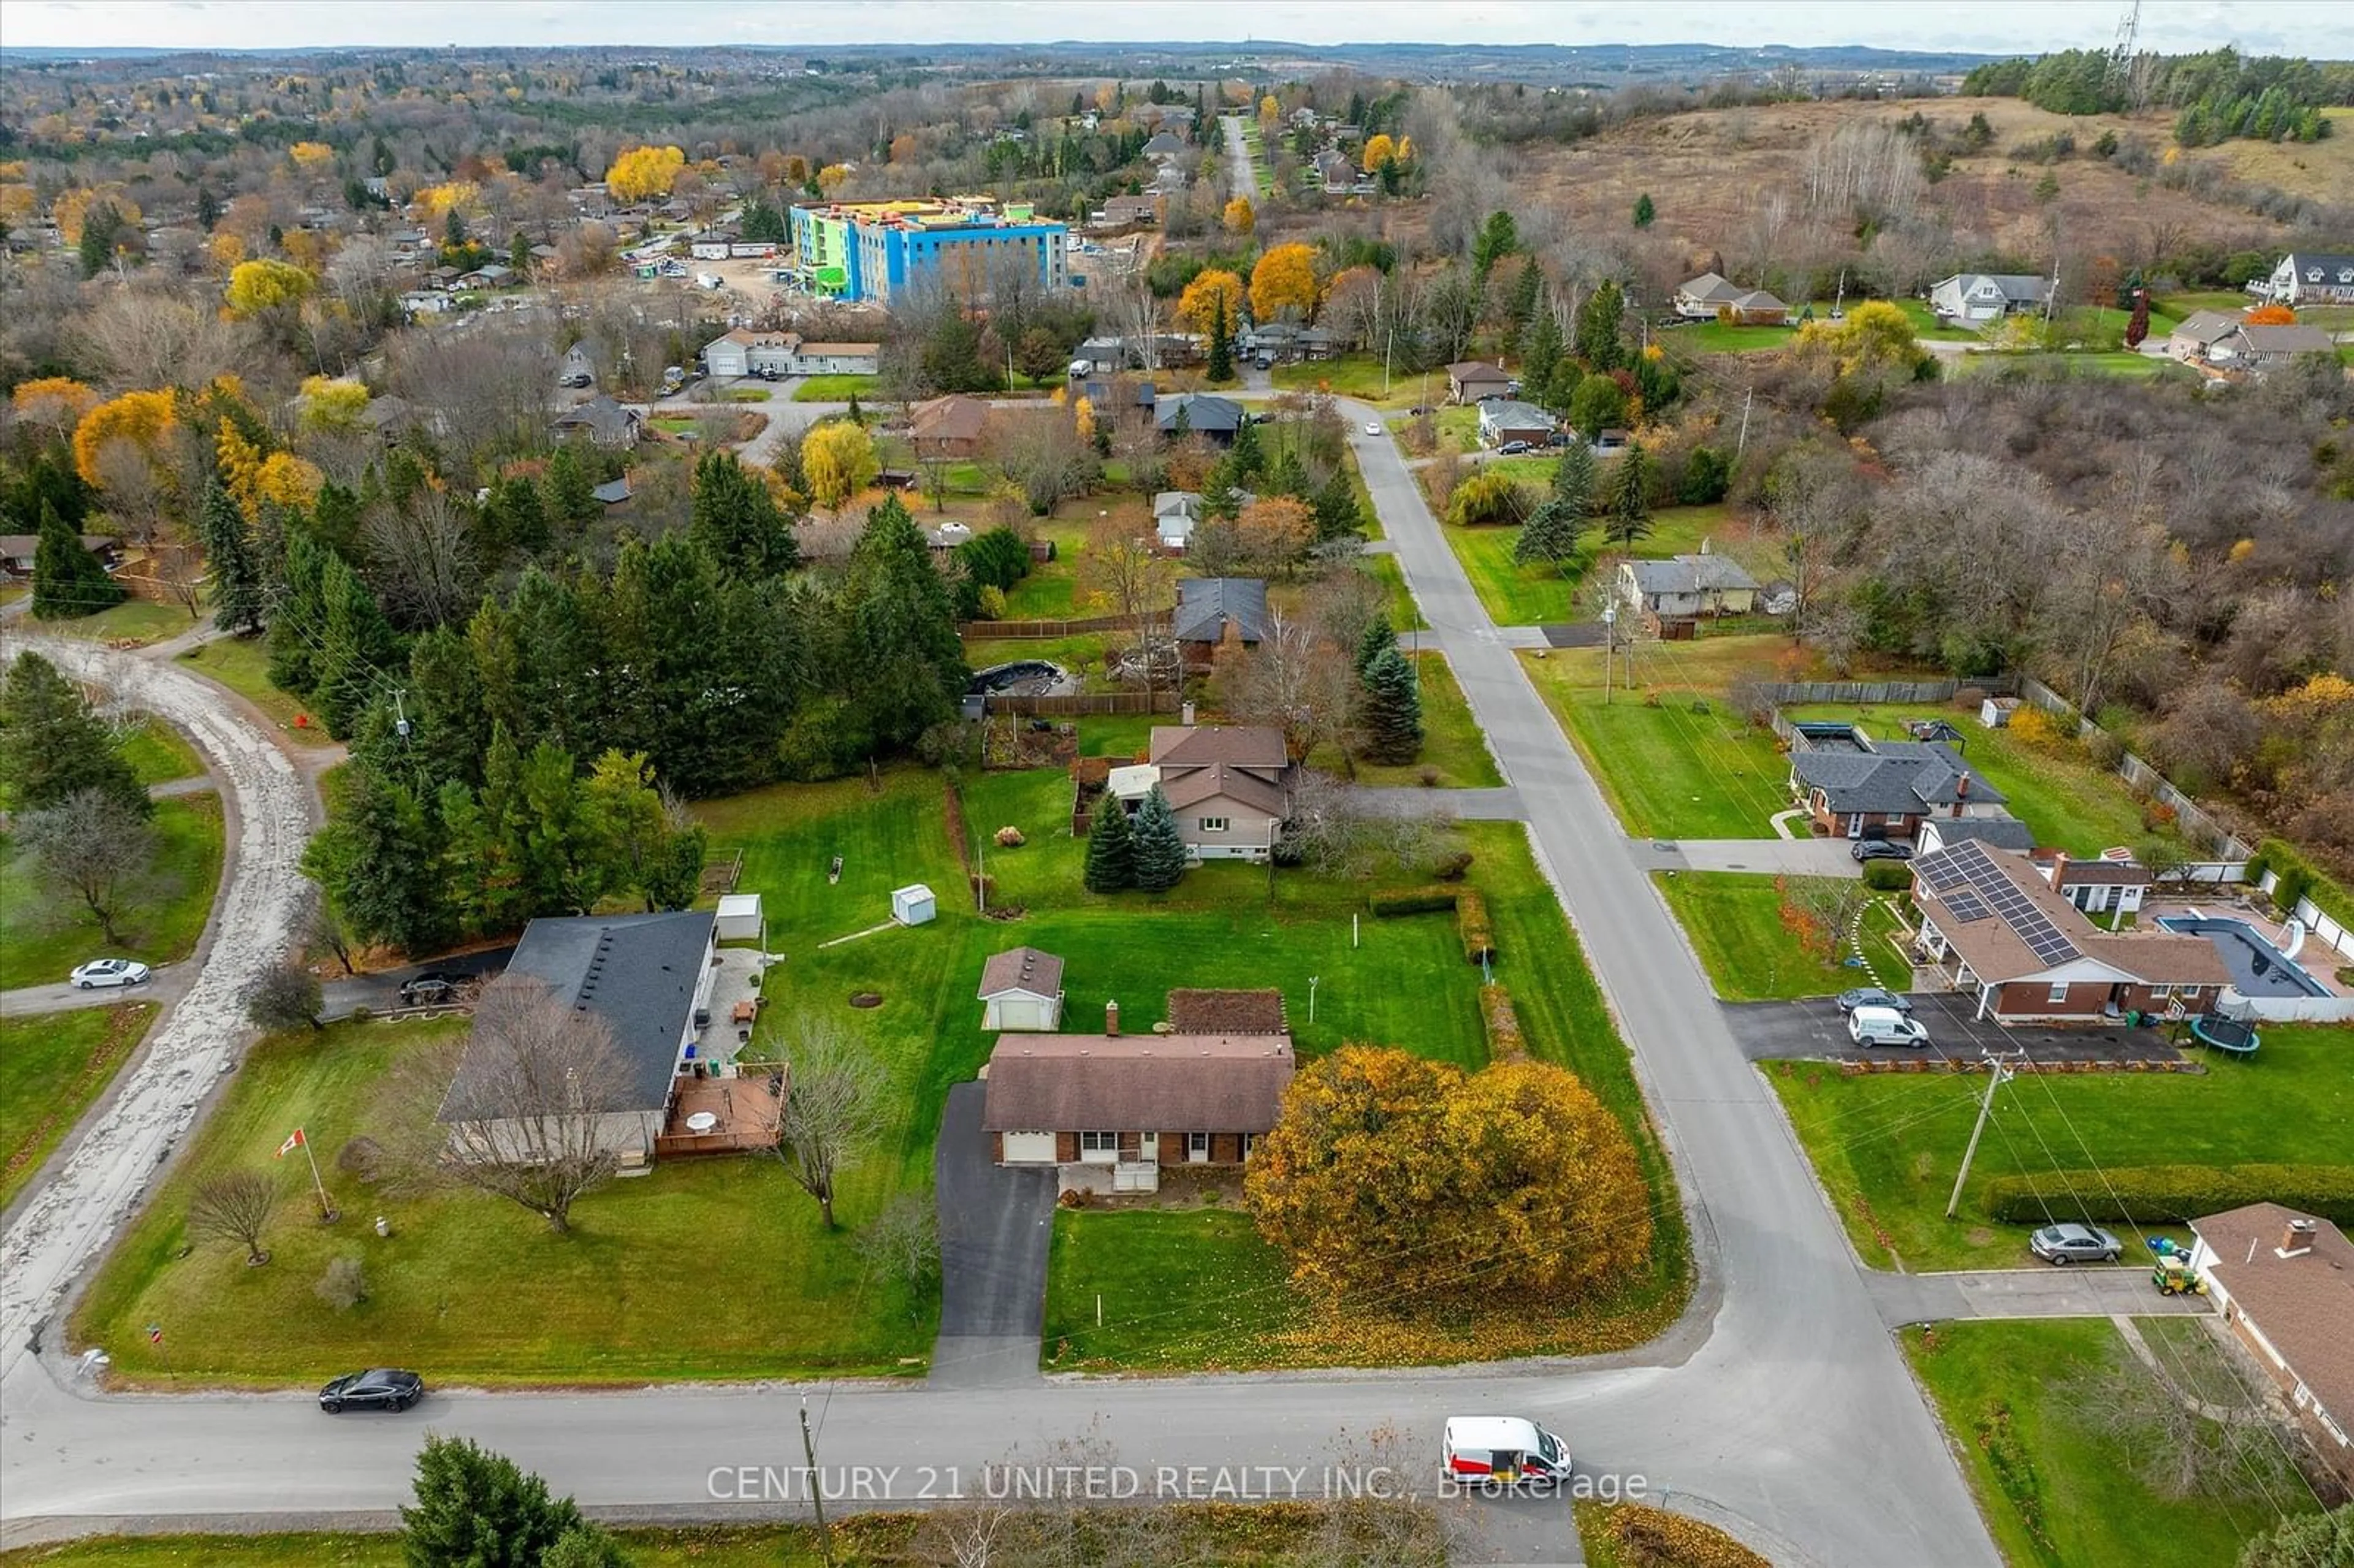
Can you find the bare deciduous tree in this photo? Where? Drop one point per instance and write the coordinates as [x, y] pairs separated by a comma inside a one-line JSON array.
[[235, 1207], [1295, 681], [91, 842], [536, 1103], [901, 1245], [421, 560], [2183, 1442], [284, 996], [1335, 831], [834, 1106]]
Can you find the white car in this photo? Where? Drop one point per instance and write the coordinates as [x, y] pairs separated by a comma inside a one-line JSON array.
[[111, 971], [1372, 427]]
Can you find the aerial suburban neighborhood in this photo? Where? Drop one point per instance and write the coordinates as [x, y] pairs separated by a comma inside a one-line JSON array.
[[1011, 788]]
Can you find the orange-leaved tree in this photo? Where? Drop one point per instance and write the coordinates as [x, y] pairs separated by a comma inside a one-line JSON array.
[[1284, 283], [1402, 1182], [56, 403], [1197, 307], [141, 419], [2271, 316], [1239, 216]]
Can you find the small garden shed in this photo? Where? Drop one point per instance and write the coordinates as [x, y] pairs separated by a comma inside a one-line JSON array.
[[741, 918], [913, 905]]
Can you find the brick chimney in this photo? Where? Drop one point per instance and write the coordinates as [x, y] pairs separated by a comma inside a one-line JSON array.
[[2296, 1238], [1111, 1018]]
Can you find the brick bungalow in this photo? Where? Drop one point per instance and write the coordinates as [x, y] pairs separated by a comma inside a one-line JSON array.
[[1998, 929], [2284, 1282], [1891, 785], [1098, 1106]]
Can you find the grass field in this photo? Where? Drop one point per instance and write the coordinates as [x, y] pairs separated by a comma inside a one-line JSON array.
[[2120, 363], [1180, 1289], [158, 754], [45, 930], [136, 622], [1357, 376], [839, 389], [2070, 803], [1513, 594], [1734, 921], [1453, 750], [52, 1066], [2058, 1490], [1686, 766], [1886, 1147], [242, 665]]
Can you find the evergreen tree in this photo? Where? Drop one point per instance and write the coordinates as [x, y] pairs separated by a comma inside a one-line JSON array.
[[1159, 846], [519, 254], [378, 864], [68, 581], [449, 726], [1378, 639], [1573, 478], [902, 621], [1246, 459], [1550, 536], [1597, 328], [1521, 308], [513, 519], [1644, 211], [1338, 511], [1541, 352], [52, 746], [101, 225], [1498, 237], [358, 646], [228, 551], [1630, 502], [1112, 848], [736, 518], [586, 1545], [1561, 387], [335, 516], [479, 1509], [1393, 709], [1222, 348], [571, 490], [298, 620], [208, 208]]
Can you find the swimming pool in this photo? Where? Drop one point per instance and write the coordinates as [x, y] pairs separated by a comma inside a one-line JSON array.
[[2258, 969]]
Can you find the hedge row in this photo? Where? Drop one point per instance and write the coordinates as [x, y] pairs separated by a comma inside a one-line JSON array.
[[2170, 1194], [1503, 1024], [1887, 875], [1471, 921], [2300, 878], [1415, 900]]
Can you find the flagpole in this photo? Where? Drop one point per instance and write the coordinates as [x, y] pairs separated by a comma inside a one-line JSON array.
[[326, 1209]]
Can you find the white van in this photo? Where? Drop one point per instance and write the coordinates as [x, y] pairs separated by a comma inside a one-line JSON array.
[[1500, 1450], [1870, 1026]]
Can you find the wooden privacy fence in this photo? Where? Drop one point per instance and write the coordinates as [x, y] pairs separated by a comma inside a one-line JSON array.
[[1042, 631], [1075, 705], [1781, 692]]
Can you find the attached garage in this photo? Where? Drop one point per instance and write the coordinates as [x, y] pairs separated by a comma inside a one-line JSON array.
[[1029, 1148]]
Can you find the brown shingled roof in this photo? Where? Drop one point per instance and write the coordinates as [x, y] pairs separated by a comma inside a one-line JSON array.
[[1022, 968], [1200, 746], [1165, 1083], [1227, 1013], [1997, 953], [2303, 1305], [1240, 785]]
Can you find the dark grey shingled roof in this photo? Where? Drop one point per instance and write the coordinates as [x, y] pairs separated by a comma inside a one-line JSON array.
[[2002, 832], [1900, 775], [1205, 605], [1204, 412], [636, 972]]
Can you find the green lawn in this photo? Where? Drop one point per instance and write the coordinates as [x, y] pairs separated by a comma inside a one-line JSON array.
[[473, 1288], [45, 931], [1404, 613], [1926, 326], [2070, 803], [839, 389], [242, 665], [2183, 306], [158, 754], [2120, 363], [1452, 748], [1178, 1289], [51, 1066], [1886, 1146], [1734, 921], [134, 622], [2056, 1490], [1357, 376], [1514, 595], [1672, 756]]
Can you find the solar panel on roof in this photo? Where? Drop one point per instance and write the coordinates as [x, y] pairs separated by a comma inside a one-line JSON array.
[[1966, 905], [1942, 874]]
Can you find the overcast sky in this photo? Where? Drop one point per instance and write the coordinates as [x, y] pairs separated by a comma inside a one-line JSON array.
[[2322, 28]]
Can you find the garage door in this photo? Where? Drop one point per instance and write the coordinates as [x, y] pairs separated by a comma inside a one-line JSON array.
[[1030, 1148]]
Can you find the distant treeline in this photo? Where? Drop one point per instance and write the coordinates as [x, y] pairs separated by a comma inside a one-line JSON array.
[[2216, 95]]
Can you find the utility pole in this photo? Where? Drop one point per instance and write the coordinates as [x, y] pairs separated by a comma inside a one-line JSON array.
[[1609, 641], [1997, 1076], [816, 1488], [1743, 444]]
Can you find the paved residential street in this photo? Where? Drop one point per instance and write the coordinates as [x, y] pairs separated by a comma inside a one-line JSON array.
[[170, 983], [1779, 1409], [1240, 180]]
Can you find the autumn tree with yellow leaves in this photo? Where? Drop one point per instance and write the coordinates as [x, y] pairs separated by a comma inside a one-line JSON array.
[[73, 207], [333, 403], [1284, 283], [1239, 218], [55, 403], [140, 419], [1399, 1181], [431, 204], [255, 287], [1379, 149], [311, 158], [1197, 307], [639, 173], [838, 460]]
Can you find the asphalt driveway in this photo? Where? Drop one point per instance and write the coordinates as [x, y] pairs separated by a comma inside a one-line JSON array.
[[995, 1225], [380, 991], [1815, 1030]]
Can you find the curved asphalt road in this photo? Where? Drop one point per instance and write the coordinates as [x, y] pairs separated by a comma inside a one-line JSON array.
[[1792, 1421]]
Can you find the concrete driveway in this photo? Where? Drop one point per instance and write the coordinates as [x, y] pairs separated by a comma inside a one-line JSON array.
[[995, 1225], [1816, 1030], [2075, 1290], [1767, 857]]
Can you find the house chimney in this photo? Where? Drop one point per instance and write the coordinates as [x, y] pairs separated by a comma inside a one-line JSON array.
[[2296, 1238], [1962, 786], [1185, 716], [1111, 1018]]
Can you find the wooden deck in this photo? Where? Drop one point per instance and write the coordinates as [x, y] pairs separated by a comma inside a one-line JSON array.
[[749, 1111]]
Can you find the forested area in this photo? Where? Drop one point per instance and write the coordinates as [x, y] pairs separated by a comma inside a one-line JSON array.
[[2220, 94]]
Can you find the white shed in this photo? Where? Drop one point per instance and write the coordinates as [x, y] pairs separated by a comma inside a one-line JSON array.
[[741, 919], [1995, 712], [1022, 989], [913, 905]]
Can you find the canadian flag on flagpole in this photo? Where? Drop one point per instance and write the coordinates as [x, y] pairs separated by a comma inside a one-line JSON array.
[[291, 1144]]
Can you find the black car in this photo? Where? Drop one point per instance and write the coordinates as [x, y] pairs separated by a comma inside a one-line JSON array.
[[379, 1389], [428, 989], [1880, 849], [579, 378]]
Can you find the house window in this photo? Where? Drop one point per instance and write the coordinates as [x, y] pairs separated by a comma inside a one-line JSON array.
[[1100, 1147], [1197, 1148], [1214, 824], [2058, 995], [1250, 1144]]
